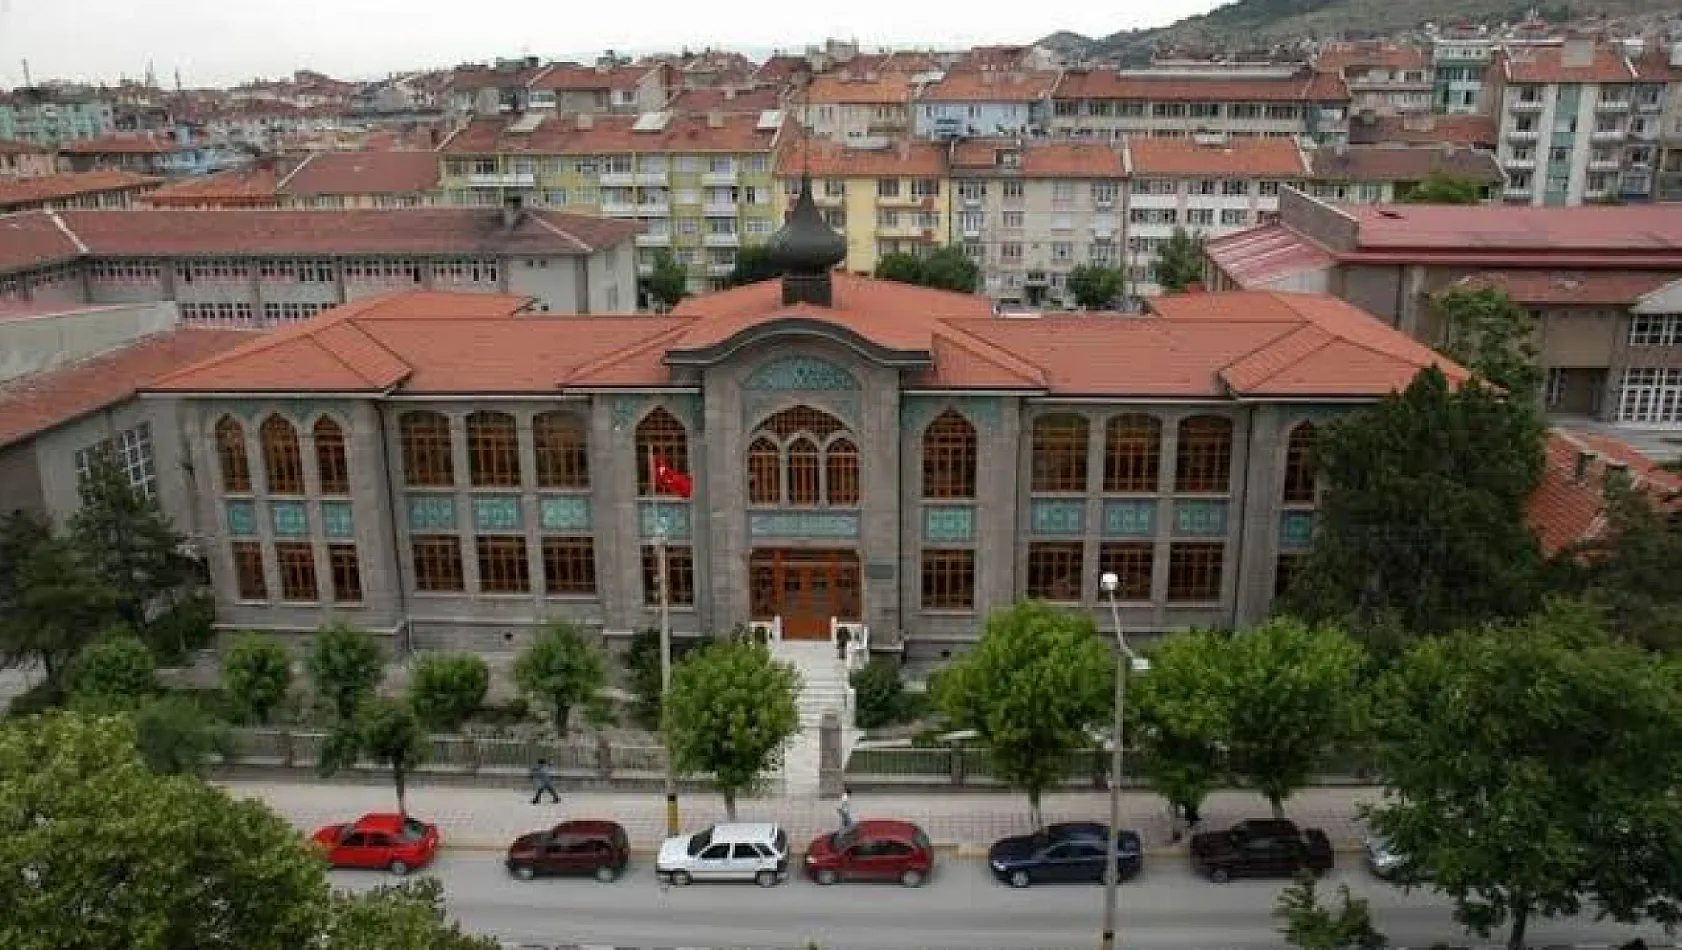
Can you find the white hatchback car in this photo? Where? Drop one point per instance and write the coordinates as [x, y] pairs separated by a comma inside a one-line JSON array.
[[736, 852]]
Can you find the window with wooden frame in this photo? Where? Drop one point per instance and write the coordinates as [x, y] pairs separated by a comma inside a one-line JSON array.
[[438, 564], [803, 419], [1194, 571], [660, 435], [1299, 465], [1286, 570], [249, 580], [427, 460], [347, 573], [841, 472], [283, 461], [1132, 562], [680, 575], [493, 450], [332, 464], [949, 457], [1203, 459], [1132, 453], [765, 472], [503, 568], [232, 457], [948, 580], [569, 567], [296, 561], [1059, 453], [563, 455], [1055, 570], [802, 472]]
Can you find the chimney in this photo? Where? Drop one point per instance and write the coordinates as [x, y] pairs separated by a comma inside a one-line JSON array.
[[585, 121], [513, 208], [1577, 52], [715, 119], [1584, 460]]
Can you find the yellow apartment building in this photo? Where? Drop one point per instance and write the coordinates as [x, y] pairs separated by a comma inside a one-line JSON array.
[[893, 198]]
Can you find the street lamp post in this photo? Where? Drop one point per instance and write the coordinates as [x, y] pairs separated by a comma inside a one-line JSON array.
[[672, 830], [1125, 658]]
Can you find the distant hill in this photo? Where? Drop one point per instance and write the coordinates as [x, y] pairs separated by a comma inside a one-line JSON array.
[[1259, 24]]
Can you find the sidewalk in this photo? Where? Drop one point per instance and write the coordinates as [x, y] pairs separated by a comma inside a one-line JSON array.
[[488, 819]]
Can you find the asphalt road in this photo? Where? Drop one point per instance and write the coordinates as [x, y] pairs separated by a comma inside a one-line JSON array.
[[1166, 908]]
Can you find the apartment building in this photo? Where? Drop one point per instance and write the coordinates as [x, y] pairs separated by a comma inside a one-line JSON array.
[[991, 102], [1246, 101], [241, 268], [1666, 63], [151, 154], [395, 179], [25, 160], [1459, 64], [52, 117], [1028, 212], [1579, 123], [75, 190], [1381, 174], [858, 106], [1382, 79], [602, 88], [700, 185], [1207, 185], [884, 198]]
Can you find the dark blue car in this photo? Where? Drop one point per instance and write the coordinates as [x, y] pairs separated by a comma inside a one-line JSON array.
[[1072, 852]]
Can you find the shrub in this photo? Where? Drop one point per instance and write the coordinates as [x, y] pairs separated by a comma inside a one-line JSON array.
[[642, 669], [345, 665], [560, 670], [256, 674], [446, 688], [186, 625], [878, 693], [113, 674], [175, 735]]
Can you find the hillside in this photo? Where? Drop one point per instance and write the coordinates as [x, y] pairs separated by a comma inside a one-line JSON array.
[[1253, 24]]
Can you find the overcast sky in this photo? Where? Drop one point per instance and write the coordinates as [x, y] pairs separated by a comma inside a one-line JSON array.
[[218, 42]]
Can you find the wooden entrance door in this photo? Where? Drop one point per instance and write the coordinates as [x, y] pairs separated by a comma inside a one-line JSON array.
[[807, 588]]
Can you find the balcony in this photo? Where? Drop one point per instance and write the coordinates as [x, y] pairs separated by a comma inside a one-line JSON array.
[[1518, 191], [718, 178], [618, 209], [720, 270], [1604, 164], [1611, 105], [1608, 135], [904, 229], [503, 180], [654, 240], [903, 200], [1525, 105], [1650, 105], [719, 209], [970, 230], [1523, 135], [722, 240], [653, 209], [971, 201], [618, 179], [1513, 161], [656, 179]]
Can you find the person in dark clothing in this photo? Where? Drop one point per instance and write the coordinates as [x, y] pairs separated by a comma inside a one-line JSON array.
[[544, 781]]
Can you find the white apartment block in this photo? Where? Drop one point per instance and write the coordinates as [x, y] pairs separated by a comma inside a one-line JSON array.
[[857, 108], [1249, 101]]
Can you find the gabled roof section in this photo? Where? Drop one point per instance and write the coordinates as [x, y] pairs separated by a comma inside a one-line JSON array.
[[33, 238], [35, 191], [1569, 506]]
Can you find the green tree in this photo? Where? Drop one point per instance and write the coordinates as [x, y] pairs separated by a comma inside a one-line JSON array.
[[114, 674], [753, 264], [1422, 526], [643, 679], [50, 605], [128, 544], [560, 670], [176, 735], [447, 688], [1034, 688], [1179, 262], [1630, 571], [1495, 338], [1096, 287], [256, 674], [1310, 925], [731, 712], [1291, 696], [1533, 767], [878, 693], [121, 856], [900, 266], [1179, 716], [667, 284], [406, 916], [1441, 189], [345, 666], [949, 268], [385, 731]]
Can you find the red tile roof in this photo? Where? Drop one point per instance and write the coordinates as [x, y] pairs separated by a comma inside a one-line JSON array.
[[248, 187], [726, 99], [1531, 234], [834, 89], [990, 86], [1566, 509], [1478, 131], [1578, 288], [613, 134], [1402, 163], [48, 188], [1039, 158], [1307, 86], [41, 401], [363, 173], [1339, 59], [32, 238], [904, 159], [1550, 64], [564, 77], [1253, 257], [1233, 158], [123, 144], [15, 147]]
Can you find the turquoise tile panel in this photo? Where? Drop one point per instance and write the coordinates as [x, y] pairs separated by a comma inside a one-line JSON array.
[[1200, 519], [1296, 530], [672, 516], [1048, 516], [290, 519], [496, 513], [1130, 517], [564, 513], [803, 524], [432, 513], [337, 521], [951, 523], [242, 519], [800, 373]]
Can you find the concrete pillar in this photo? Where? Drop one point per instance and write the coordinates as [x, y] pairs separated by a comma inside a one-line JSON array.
[[832, 768]]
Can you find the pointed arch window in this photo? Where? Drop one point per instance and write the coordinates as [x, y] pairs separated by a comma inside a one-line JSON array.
[[1299, 465], [493, 450], [1059, 453], [841, 472], [232, 456], [660, 435], [1132, 453], [804, 456], [427, 460], [949, 457], [803, 470], [1203, 460], [332, 463], [283, 461], [563, 457], [765, 472]]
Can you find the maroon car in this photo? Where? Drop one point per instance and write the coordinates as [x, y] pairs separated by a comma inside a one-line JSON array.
[[872, 851], [596, 848]]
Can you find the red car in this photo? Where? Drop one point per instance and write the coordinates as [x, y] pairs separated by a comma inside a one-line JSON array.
[[872, 851], [598, 848], [380, 840]]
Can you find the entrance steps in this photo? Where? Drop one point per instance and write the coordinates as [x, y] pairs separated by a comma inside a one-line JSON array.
[[824, 688]]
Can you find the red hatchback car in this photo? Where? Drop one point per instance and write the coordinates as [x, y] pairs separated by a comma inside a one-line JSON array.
[[380, 840], [872, 851]]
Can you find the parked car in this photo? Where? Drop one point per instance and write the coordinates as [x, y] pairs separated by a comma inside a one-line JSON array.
[[598, 848], [1070, 852], [872, 850], [1260, 848], [732, 852], [380, 840]]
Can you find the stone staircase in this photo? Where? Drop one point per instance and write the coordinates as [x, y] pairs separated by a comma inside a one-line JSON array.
[[824, 689]]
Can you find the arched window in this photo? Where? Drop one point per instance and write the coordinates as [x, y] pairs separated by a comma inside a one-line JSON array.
[[814, 422], [802, 472], [1299, 464], [949, 457], [661, 436], [232, 456], [1059, 453], [493, 450], [563, 457], [1203, 460], [283, 461], [765, 472], [841, 472], [332, 463], [1132, 453], [426, 449]]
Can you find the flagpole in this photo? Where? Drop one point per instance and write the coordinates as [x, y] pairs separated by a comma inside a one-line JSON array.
[[662, 575]]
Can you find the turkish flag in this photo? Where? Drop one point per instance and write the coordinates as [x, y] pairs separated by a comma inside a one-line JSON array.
[[670, 481]]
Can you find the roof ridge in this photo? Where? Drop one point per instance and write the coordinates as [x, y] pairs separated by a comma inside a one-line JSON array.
[[275, 337], [355, 323], [1326, 339], [1030, 371], [1436, 358], [542, 219], [64, 226], [281, 185], [630, 350]]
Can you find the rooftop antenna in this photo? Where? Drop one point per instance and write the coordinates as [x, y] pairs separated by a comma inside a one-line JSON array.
[[27, 84]]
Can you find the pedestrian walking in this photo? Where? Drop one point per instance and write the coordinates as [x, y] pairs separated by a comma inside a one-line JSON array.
[[845, 809], [544, 781]]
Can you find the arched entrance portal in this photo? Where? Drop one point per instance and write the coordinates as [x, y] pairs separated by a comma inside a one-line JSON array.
[[806, 587]]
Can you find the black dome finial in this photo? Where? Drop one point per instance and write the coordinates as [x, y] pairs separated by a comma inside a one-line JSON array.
[[806, 245]]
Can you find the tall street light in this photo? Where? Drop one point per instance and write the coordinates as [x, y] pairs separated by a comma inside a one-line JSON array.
[[1112, 875]]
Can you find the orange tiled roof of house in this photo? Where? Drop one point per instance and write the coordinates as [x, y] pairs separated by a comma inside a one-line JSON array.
[[1053, 158], [614, 134], [1251, 157], [363, 173], [248, 187], [1340, 58], [726, 99], [1196, 346], [990, 86], [145, 143], [69, 185], [1569, 506], [841, 89], [1551, 64], [902, 159], [15, 147], [1474, 131], [1307, 86], [780, 69], [33, 238], [1401, 163], [1573, 288], [568, 76]]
